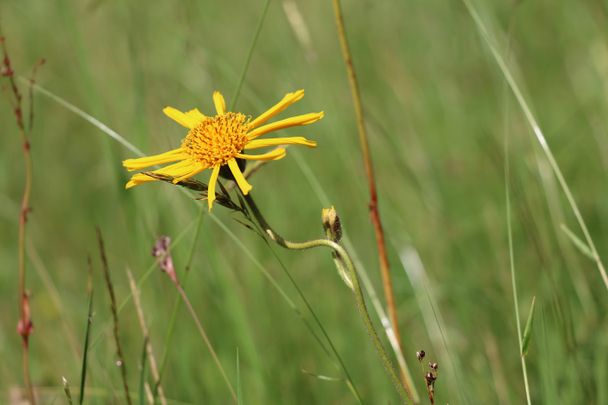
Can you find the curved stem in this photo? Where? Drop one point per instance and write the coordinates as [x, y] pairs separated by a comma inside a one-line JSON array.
[[348, 263]]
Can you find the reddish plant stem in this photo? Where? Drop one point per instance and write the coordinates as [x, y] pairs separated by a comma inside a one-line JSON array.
[[24, 325], [369, 171]]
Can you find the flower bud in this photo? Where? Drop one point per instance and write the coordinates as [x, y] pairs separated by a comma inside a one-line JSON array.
[[331, 224]]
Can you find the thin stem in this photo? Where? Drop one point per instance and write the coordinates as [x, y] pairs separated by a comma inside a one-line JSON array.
[[87, 334], [512, 270], [25, 325], [359, 298], [369, 171], [177, 305], [148, 344], [26, 374], [254, 41], [203, 334], [507, 174], [349, 381], [540, 137], [121, 359]]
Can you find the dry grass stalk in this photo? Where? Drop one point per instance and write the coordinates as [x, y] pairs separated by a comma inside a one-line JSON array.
[[149, 349], [106, 272]]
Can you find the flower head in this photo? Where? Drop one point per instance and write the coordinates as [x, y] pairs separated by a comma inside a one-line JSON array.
[[213, 142]]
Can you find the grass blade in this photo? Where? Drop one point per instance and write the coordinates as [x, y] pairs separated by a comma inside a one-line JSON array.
[[203, 334], [540, 138], [507, 177], [239, 393], [340, 363], [87, 335], [254, 41], [87, 117], [142, 372], [576, 241], [528, 329]]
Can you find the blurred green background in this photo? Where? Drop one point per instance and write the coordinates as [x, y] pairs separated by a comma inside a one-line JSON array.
[[438, 112]]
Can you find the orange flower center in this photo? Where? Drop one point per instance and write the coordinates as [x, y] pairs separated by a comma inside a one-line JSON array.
[[216, 140]]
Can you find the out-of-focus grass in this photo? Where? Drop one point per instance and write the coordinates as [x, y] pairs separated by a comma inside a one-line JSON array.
[[438, 110]]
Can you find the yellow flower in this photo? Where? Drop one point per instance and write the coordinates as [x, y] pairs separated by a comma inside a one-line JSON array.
[[216, 141]]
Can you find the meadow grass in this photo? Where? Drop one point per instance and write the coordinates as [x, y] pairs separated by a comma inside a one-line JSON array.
[[443, 85]]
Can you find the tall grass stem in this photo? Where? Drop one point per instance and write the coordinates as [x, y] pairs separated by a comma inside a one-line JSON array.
[[254, 41], [540, 138], [87, 334], [203, 334], [512, 270]]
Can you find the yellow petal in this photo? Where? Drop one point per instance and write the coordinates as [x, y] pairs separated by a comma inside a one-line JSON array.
[[185, 119], [212, 182], [276, 154], [193, 172], [288, 100], [292, 140], [196, 115], [304, 119], [147, 161], [238, 176], [180, 169], [220, 103], [137, 179]]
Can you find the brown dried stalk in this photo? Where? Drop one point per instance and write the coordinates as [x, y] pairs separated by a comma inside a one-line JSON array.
[[145, 331], [106, 272]]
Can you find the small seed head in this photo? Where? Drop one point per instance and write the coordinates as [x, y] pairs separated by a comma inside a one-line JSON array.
[[420, 355], [434, 366]]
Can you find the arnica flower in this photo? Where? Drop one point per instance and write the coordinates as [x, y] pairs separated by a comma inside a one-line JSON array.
[[213, 142]]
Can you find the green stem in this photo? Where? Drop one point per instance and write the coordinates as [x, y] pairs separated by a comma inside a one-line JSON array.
[[254, 41], [359, 298]]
